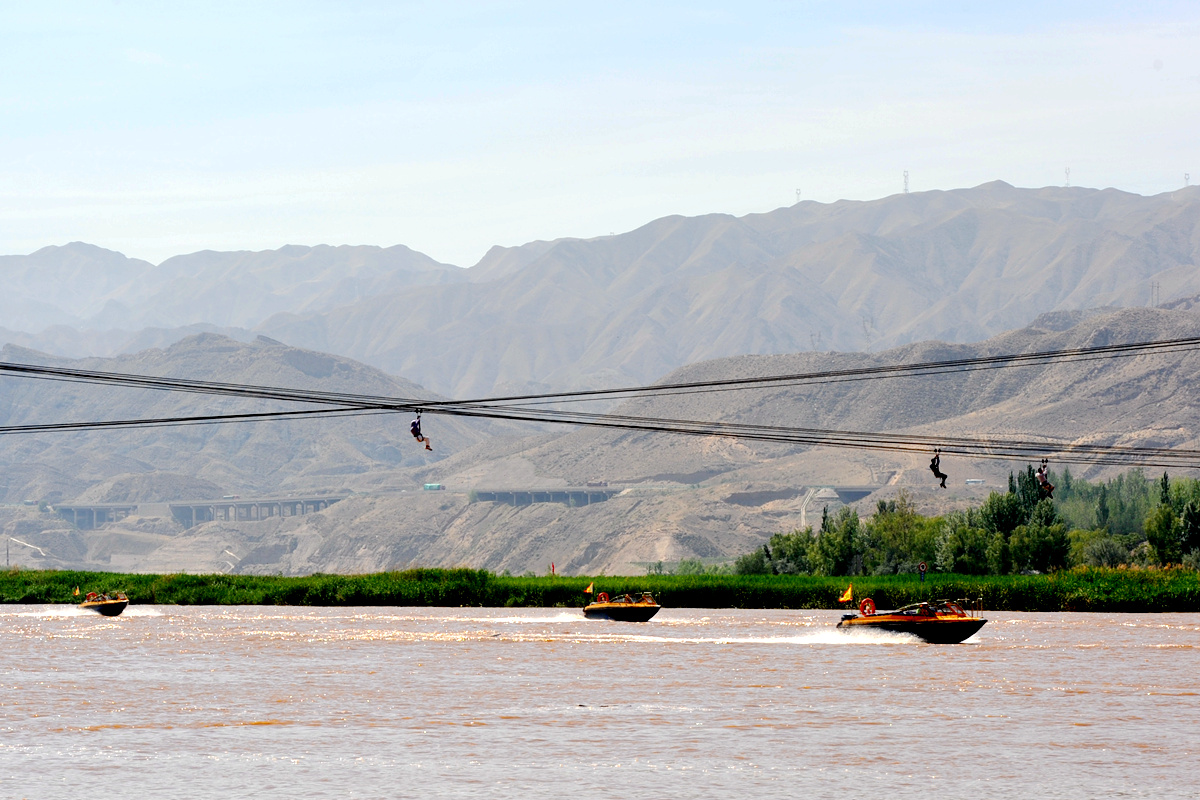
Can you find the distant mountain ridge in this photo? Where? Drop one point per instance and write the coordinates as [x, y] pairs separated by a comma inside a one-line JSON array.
[[84, 286], [957, 266]]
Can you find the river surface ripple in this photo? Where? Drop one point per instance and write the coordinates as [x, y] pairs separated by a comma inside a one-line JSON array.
[[407, 702]]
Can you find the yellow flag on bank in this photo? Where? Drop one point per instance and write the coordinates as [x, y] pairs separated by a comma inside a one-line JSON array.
[[847, 597], [588, 590]]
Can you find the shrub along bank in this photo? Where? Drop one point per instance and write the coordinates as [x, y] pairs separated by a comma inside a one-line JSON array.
[[1128, 520], [1094, 589]]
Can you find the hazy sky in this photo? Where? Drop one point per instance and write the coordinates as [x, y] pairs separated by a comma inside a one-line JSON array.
[[165, 128]]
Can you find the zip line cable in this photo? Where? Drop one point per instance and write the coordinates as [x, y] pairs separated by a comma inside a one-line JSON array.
[[53, 427], [1072, 355], [986, 448], [1081, 354], [347, 404]]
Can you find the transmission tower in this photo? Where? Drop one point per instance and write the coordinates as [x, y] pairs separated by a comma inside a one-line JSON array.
[[797, 195], [906, 181], [1155, 293], [1068, 177]]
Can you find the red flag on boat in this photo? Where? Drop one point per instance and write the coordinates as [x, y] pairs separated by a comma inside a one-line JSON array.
[[847, 597], [588, 590]]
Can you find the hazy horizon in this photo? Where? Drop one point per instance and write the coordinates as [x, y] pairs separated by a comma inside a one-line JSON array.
[[451, 128], [565, 235]]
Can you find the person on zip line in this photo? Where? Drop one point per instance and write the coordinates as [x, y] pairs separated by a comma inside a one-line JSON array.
[[415, 427], [935, 464], [1045, 487]]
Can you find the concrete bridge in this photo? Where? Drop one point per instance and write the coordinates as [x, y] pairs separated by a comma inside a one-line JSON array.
[[190, 515], [89, 516], [570, 497]]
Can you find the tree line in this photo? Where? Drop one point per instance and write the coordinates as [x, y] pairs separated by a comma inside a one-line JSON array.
[[1129, 519]]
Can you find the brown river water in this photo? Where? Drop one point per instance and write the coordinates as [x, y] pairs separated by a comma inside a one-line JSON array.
[[202, 702]]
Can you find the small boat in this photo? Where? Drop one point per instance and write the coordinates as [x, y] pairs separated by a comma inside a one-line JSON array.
[[622, 609], [110, 605], [936, 622]]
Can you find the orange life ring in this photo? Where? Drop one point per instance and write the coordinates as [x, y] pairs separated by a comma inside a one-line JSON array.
[[867, 607], [602, 597]]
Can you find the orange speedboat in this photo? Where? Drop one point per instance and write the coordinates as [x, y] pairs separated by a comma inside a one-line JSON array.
[[937, 621], [109, 605], [622, 609]]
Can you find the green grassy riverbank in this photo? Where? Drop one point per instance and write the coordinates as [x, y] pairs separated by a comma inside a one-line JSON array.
[[1126, 590]]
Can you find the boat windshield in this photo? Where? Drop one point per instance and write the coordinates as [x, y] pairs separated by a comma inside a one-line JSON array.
[[939, 608], [915, 610]]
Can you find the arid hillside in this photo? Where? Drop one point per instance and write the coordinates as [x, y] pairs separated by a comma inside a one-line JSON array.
[[589, 500], [250, 458], [955, 266]]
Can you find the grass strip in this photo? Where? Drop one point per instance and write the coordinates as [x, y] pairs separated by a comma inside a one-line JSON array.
[[1094, 589]]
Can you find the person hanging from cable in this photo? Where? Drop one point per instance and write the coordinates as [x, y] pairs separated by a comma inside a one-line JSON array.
[[415, 427], [935, 464], [1045, 488]]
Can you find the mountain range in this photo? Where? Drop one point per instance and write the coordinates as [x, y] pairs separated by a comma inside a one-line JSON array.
[[956, 266]]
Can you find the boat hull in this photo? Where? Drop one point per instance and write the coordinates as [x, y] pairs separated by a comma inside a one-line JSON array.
[[935, 630], [621, 612], [107, 608]]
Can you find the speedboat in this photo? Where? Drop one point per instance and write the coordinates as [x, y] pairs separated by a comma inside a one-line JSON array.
[[109, 605], [936, 621], [622, 609]]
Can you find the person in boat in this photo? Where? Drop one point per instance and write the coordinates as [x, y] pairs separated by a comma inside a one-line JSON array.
[[415, 427], [935, 465], [1043, 478]]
